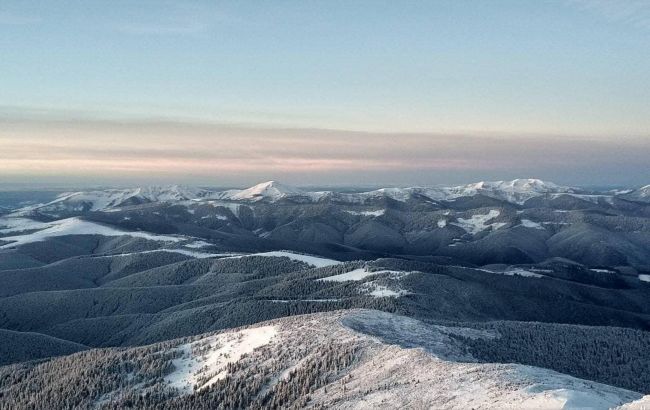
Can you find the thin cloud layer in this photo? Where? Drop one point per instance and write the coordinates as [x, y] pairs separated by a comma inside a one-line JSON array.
[[207, 152]]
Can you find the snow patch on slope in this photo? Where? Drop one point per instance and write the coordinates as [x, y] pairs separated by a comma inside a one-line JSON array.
[[514, 272], [76, 226], [382, 291], [315, 261], [17, 225], [527, 223], [379, 212], [478, 223], [360, 274], [204, 361]]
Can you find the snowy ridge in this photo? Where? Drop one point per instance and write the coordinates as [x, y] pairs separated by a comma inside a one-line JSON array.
[[77, 226], [400, 363], [516, 191], [642, 194], [115, 198]]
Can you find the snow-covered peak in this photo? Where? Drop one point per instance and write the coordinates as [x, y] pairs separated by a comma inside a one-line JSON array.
[[641, 194], [113, 198], [516, 185], [271, 190], [171, 193], [516, 191]]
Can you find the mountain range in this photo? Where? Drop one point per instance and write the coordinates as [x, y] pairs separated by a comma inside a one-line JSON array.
[[507, 294]]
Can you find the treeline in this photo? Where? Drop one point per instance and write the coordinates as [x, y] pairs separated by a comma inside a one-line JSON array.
[[610, 355], [278, 375]]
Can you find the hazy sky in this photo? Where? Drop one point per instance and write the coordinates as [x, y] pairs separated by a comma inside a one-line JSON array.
[[235, 92]]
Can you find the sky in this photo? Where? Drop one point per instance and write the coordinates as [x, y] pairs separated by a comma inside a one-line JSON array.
[[324, 92]]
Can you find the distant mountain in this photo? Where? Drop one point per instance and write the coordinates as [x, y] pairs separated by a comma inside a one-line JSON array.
[[115, 198], [516, 191], [641, 194], [269, 191], [490, 278], [518, 221]]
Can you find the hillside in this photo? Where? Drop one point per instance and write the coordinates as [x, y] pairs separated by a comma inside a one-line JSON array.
[[350, 359]]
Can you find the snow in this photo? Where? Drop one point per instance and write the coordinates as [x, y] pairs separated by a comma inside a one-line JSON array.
[[379, 212], [303, 300], [521, 272], [205, 361], [601, 270], [641, 194], [271, 190], [381, 291], [442, 223], [416, 365], [527, 223], [559, 391], [308, 259], [10, 225], [515, 272], [644, 278], [398, 362], [195, 254], [641, 404], [76, 226], [113, 198], [356, 274], [478, 223], [360, 274], [197, 244], [516, 191]]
